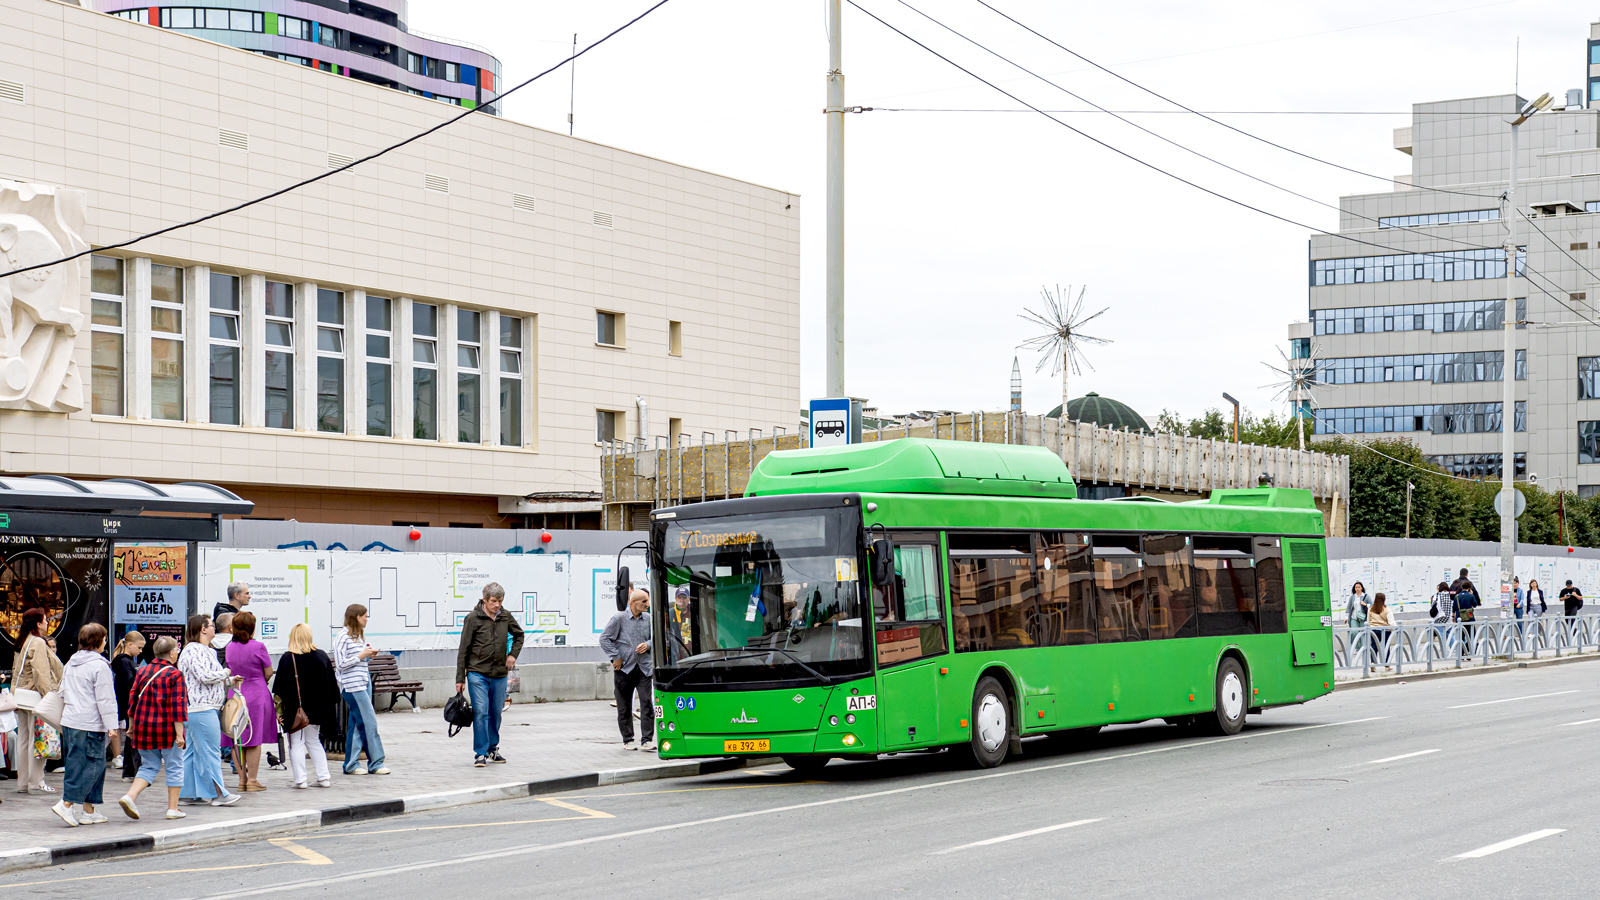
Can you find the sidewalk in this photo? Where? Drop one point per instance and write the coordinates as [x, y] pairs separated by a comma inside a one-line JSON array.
[[539, 740]]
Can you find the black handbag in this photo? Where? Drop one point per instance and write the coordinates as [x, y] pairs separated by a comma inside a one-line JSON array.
[[458, 713]]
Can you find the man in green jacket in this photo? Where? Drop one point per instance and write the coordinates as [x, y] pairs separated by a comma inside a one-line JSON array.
[[482, 662]]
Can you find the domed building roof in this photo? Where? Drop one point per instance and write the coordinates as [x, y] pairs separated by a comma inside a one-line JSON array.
[[1103, 411]]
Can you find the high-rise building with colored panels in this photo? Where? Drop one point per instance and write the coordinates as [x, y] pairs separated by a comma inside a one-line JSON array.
[[365, 40]]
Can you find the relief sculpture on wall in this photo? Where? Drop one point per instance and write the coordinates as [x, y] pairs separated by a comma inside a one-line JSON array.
[[41, 311]]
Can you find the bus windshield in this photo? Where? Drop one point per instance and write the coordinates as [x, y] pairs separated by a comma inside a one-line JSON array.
[[768, 597]]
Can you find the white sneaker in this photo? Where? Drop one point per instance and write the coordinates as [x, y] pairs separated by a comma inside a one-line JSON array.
[[358, 770], [381, 770], [629, 745], [65, 812], [299, 785], [128, 806], [226, 800], [93, 818], [177, 814], [324, 782], [647, 745], [116, 762]]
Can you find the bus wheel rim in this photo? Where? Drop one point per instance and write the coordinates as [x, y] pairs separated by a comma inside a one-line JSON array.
[[991, 722], [1232, 695]]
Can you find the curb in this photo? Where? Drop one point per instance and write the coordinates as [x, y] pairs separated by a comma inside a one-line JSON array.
[[193, 836], [1457, 673]]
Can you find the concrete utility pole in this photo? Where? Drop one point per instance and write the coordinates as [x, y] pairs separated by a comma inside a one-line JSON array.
[[834, 329], [1508, 368]]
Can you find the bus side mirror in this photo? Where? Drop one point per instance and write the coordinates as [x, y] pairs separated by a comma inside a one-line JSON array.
[[882, 562], [622, 588]]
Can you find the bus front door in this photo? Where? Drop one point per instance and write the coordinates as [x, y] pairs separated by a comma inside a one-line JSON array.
[[911, 644]]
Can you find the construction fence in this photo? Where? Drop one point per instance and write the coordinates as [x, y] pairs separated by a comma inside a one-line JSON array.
[[639, 476]]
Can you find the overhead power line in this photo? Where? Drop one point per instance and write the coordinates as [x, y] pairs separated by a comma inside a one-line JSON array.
[[1209, 112], [1445, 254], [331, 172], [1208, 118]]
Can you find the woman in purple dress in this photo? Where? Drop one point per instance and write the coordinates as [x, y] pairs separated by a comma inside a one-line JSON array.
[[248, 658]]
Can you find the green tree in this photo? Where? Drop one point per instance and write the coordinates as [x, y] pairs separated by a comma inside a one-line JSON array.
[[1379, 471]]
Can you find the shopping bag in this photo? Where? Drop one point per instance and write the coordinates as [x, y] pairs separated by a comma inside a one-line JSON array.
[[514, 682], [46, 740]]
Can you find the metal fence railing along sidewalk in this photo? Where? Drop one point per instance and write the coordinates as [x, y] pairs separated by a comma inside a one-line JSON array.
[[1422, 646]]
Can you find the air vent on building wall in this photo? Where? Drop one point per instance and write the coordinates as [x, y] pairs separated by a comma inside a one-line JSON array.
[[1581, 295], [1581, 245], [339, 160], [13, 91], [436, 183], [522, 201], [238, 140], [603, 219]]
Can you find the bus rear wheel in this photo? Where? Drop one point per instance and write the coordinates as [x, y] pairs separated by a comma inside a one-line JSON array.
[[805, 764], [1233, 689], [991, 724]]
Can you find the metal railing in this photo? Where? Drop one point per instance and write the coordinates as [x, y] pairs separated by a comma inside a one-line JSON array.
[[1424, 646]]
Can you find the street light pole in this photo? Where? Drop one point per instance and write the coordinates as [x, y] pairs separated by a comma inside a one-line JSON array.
[[1508, 368], [1409, 487], [834, 312], [1228, 397]]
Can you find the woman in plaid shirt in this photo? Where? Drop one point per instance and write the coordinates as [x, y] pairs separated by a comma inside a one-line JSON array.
[[157, 711]]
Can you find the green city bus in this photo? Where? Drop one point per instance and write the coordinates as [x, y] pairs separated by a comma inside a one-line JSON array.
[[915, 594]]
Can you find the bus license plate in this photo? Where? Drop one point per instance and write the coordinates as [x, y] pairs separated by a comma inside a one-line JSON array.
[[747, 746]]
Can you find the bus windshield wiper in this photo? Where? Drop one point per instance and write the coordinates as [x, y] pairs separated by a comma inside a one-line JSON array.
[[749, 654]]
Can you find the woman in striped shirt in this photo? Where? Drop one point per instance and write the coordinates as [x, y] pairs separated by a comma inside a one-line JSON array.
[[350, 655]]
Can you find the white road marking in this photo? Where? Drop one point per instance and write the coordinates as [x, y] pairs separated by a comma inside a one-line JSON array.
[[1012, 837], [1388, 759], [1584, 722], [1508, 844], [1512, 699], [366, 874]]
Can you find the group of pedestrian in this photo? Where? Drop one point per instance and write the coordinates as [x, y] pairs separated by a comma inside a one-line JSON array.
[[1359, 613], [165, 720], [1454, 603]]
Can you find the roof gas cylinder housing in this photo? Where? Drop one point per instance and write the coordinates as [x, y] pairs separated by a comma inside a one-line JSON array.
[[915, 466]]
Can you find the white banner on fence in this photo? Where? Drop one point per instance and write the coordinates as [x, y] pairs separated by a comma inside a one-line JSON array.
[[417, 601], [1408, 583]]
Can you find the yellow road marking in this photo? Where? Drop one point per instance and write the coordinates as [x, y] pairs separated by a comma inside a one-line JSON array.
[[728, 787], [307, 858], [592, 813]]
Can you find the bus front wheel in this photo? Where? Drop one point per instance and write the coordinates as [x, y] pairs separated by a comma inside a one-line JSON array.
[[806, 765], [1233, 689], [991, 724]]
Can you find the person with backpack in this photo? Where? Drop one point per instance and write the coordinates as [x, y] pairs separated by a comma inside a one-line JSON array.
[[1571, 600], [1443, 614]]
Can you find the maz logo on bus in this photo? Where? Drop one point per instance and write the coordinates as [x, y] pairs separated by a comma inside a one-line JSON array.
[[857, 704]]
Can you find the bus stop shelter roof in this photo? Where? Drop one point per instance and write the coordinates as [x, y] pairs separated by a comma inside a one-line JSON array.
[[117, 496]]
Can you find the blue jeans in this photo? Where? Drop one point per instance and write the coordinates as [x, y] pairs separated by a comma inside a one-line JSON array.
[[151, 762], [361, 731], [488, 696], [85, 755]]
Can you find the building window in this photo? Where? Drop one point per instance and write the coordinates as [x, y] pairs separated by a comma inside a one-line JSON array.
[[1438, 418], [469, 383], [1454, 265], [107, 306], [674, 338], [327, 37], [142, 16], [1439, 368], [278, 387], [1450, 218], [166, 342], [330, 360], [380, 334], [607, 425], [425, 371], [224, 349], [1479, 465], [609, 328], [213, 19], [291, 27], [1589, 442], [510, 381], [1589, 378]]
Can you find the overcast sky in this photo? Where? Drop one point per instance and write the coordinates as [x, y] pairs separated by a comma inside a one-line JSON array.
[[955, 220]]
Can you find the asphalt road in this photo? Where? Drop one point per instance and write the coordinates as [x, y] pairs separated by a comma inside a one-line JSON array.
[[1457, 788]]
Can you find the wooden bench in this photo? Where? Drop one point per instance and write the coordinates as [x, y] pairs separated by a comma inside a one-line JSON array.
[[385, 672]]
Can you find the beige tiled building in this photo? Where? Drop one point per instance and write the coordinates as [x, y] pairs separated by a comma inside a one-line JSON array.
[[425, 338]]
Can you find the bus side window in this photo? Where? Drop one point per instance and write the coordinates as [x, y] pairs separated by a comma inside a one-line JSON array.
[[1225, 583], [1066, 589], [1269, 586], [1166, 560], [1119, 588], [992, 592], [910, 613]]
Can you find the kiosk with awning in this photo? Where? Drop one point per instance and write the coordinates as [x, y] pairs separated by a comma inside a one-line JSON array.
[[117, 552]]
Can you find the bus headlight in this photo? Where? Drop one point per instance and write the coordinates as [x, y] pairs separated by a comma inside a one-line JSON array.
[[849, 740], [833, 720], [672, 726], [666, 746], [850, 718]]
